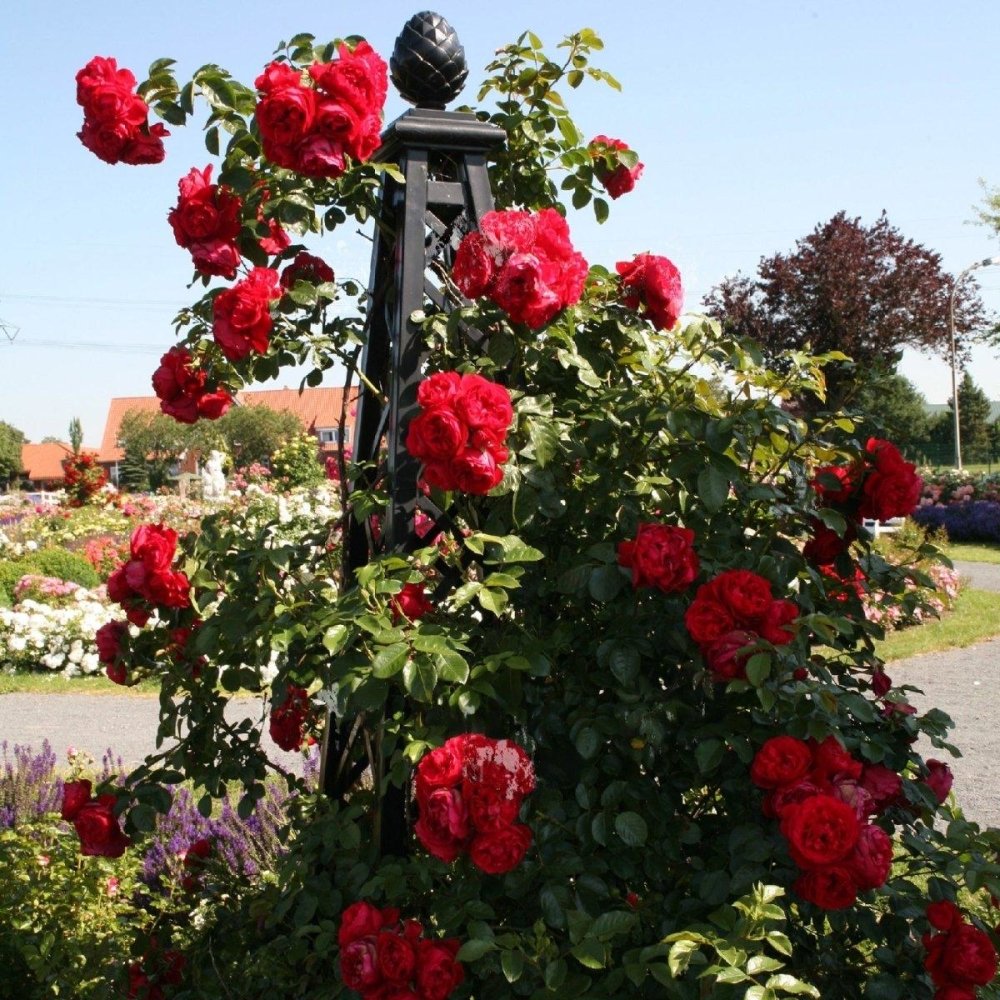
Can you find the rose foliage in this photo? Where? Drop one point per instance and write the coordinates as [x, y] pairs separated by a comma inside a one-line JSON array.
[[726, 795]]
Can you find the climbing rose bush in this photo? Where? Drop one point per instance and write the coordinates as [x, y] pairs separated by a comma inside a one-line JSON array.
[[562, 772]]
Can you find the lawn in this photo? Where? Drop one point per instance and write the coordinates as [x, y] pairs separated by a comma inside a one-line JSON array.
[[976, 617], [973, 551], [54, 683]]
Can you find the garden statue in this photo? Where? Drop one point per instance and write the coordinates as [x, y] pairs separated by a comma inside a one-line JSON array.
[[602, 711], [213, 479]]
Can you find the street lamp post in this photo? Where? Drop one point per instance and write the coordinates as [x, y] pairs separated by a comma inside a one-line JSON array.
[[954, 354]]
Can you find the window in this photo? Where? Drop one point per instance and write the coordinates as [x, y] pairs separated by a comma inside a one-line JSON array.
[[328, 435]]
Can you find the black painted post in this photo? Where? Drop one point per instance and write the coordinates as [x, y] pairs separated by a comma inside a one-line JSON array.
[[442, 156]]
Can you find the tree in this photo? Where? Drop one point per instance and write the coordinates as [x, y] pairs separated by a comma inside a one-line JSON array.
[[866, 291], [154, 443], [893, 408], [75, 435], [11, 441], [249, 434], [973, 420]]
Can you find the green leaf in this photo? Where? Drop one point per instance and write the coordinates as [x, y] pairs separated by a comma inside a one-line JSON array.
[[389, 661], [587, 743], [589, 953], [475, 948], [419, 678], [709, 755], [681, 953], [212, 140], [613, 923], [605, 583], [452, 666], [758, 668], [631, 828], [789, 984], [493, 600], [625, 662], [512, 965], [713, 488]]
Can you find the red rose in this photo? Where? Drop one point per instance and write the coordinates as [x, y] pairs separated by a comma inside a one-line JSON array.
[[359, 920], [476, 264], [438, 973], [782, 760], [411, 602], [871, 858], [76, 794], [724, 658], [287, 110], [242, 320], [708, 620], [115, 125], [943, 915], [206, 221], [821, 830], [883, 785], [962, 956], [881, 683], [499, 851], [831, 888], [939, 779], [443, 825], [288, 718], [655, 284], [359, 77], [476, 472], [396, 957], [440, 768], [182, 391], [835, 484], [490, 807], [481, 403], [617, 180], [439, 390], [777, 618], [108, 639], [661, 556], [525, 289], [306, 267], [744, 593], [779, 800], [826, 545], [437, 435], [98, 829], [890, 494], [831, 758], [359, 967]]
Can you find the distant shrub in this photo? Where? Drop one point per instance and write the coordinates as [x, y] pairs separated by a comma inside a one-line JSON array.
[[11, 571], [66, 565], [974, 521]]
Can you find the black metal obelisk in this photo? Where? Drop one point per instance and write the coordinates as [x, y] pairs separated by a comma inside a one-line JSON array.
[[442, 156]]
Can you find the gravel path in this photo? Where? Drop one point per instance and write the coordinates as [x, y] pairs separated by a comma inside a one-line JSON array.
[[980, 576]]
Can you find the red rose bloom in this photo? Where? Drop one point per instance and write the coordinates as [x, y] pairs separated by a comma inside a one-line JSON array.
[[115, 118], [206, 221], [439, 390], [821, 831], [440, 768], [438, 973], [724, 659], [782, 760], [443, 827], [306, 267], [871, 859], [882, 784], [826, 545], [939, 779], [359, 965], [961, 956], [707, 621], [359, 920], [481, 403], [76, 794], [242, 320], [109, 639], [617, 180], [97, 827], [476, 472], [396, 957], [437, 435], [744, 593], [411, 602], [661, 556], [182, 390], [501, 850], [834, 484], [830, 758], [524, 262], [832, 888], [653, 283], [288, 718]]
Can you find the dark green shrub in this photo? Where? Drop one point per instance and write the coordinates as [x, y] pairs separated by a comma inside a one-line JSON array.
[[65, 565], [11, 570]]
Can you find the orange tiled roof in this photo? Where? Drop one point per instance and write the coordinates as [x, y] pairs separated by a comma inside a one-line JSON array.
[[316, 408], [43, 462]]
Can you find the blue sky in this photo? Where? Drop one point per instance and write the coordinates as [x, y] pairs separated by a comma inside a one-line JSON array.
[[756, 121]]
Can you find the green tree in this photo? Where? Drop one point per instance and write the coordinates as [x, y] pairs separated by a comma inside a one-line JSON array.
[[296, 463], [973, 419], [76, 435], [11, 442], [248, 433], [153, 442], [891, 407]]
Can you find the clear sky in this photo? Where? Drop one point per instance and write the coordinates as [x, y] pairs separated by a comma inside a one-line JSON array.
[[756, 121]]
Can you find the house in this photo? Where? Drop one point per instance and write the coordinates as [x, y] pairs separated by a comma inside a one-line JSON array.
[[41, 464], [319, 410]]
